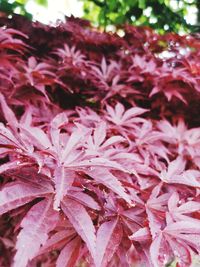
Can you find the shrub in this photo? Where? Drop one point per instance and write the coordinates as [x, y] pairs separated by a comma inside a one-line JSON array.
[[99, 145]]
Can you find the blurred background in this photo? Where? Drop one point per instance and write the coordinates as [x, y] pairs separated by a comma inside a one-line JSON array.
[[181, 16]]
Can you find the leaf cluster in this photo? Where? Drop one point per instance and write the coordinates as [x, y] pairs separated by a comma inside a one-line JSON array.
[[99, 146]]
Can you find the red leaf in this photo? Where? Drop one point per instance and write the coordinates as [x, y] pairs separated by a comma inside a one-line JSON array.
[[109, 180], [8, 113], [57, 241], [109, 237], [84, 199], [63, 179], [69, 254], [155, 250], [36, 225], [82, 222], [17, 194]]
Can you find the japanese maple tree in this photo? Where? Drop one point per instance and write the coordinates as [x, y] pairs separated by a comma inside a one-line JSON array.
[[99, 146]]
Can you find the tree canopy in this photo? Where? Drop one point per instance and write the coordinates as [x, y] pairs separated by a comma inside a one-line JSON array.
[[18, 6], [162, 15]]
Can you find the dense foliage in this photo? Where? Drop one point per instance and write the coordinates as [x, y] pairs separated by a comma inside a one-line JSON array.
[[99, 145], [18, 6], [162, 15]]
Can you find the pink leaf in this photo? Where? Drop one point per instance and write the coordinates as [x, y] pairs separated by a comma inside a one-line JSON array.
[[69, 254], [12, 165], [36, 225], [175, 167], [109, 180], [99, 134], [26, 118], [99, 162], [57, 241], [7, 137], [58, 121], [8, 113], [17, 194], [63, 179], [37, 137], [72, 143], [121, 117], [178, 211], [188, 207], [189, 177], [180, 251], [109, 236], [155, 250], [82, 222], [186, 227], [113, 140], [84, 199], [142, 235]]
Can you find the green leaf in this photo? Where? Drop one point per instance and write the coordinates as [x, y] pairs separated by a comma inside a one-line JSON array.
[[113, 5], [23, 2], [142, 4], [42, 2]]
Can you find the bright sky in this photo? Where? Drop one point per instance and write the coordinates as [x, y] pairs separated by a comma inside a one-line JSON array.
[[56, 9]]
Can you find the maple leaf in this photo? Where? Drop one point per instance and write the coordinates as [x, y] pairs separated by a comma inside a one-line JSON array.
[[8, 40], [145, 66], [8, 113], [57, 240], [142, 235], [45, 219], [119, 116], [82, 222], [16, 194], [70, 53], [105, 72], [69, 254], [63, 180], [37, 75], [173, 134], [109, 180], [83, 198], [180, 211], [172, 237], [155, 209], [187, 231], [109, 236], [97, 144], [175, 173]]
